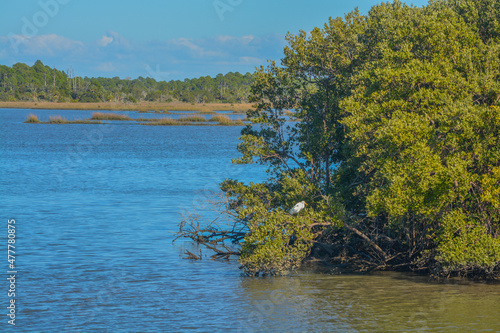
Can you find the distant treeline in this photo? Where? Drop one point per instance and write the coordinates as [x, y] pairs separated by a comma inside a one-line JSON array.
[[43, 83]]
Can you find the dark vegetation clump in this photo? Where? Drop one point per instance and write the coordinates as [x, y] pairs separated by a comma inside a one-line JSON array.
[[395, 147]]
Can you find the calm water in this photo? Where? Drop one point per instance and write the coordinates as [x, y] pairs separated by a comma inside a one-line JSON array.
[[96, 208], [44, 115]]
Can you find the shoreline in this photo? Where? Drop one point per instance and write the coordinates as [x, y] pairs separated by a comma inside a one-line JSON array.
[[140, 107]]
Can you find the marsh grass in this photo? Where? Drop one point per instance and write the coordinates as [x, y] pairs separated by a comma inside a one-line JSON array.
[[109, 116], [216, 120], [163, 122], [193, 119], [61, 120], [32, 119], [57, 120], [225, 120], [144, 119]]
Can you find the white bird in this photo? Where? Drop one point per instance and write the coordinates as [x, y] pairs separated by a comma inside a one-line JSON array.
[[298, 207]]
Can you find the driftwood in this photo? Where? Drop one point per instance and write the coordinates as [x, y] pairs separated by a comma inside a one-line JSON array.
[[221, 235], [193, 256], [213, 239]]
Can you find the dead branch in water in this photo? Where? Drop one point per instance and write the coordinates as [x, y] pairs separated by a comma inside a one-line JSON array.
[[215, 234], [193, 256]]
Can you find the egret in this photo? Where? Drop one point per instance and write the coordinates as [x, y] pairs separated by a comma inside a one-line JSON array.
[[298, 207]]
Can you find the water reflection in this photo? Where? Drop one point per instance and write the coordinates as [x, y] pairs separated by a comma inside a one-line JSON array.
[[367, 303]]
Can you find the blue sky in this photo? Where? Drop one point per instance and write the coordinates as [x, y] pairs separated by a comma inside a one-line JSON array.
[[164, 39]]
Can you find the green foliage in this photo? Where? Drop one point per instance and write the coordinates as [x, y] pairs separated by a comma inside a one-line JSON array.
[[424, 124], [397, 122], [481, 15], [42, 83], [466, 243], [276, 241]]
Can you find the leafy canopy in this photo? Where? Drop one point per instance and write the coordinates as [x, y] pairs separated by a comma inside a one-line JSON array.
[[388, 126]]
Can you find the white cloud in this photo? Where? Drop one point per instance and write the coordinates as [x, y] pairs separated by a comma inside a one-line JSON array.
[[114, 55], [188, 43], [196, 50], [42, 45], [225, 38], [247, 39], [235, 40], [113, 38], [105, 67], [105, 40], [251, 61]]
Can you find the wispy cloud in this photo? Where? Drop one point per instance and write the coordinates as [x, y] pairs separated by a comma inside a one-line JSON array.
[[105, 40], [40, 45], [105, 67], [113, 38], [251, 61], [196, 50], [114, 55]]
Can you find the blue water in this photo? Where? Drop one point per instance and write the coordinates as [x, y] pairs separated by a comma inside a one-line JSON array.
[[96, 209], [44, 114]]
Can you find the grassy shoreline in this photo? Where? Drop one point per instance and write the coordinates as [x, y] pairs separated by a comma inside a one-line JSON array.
[[215, 120], [141, 107]]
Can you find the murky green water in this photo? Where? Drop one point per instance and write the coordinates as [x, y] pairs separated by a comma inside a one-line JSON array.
[[381, 302]]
